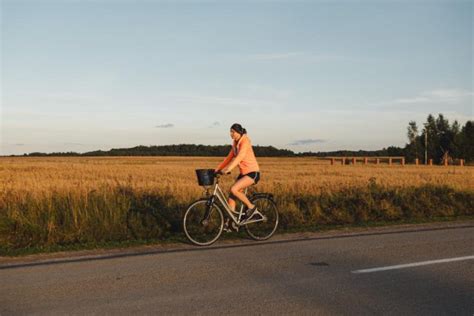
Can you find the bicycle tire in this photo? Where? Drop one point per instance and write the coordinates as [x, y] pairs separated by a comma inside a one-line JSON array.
[[265, 229], [195, 230]]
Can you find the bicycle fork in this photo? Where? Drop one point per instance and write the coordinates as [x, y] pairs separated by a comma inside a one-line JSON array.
[[207, 214]]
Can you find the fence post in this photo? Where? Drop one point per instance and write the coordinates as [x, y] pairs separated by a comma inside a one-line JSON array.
[[343, 161], [366, 160], [389, 161], [430, 162], [461, 162], [417, 161], [353, 160], [332, 161], [403, 161], [377, 161], [445, 162]]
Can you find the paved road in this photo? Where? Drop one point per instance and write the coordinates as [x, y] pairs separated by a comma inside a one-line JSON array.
[[314, 276]]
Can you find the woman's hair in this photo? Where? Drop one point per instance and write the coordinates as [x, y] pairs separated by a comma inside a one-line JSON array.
[[239, 129]]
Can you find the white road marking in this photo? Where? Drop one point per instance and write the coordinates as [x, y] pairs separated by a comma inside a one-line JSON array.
[[414, 264]]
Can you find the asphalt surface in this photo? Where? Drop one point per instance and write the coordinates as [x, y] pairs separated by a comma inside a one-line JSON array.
[[302, 276]]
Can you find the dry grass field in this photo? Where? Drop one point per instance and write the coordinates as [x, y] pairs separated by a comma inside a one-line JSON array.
[[55, 200], [176, 174]]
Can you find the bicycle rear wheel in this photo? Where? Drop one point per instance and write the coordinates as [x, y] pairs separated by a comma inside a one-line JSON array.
[[264, 229], [203, 225]]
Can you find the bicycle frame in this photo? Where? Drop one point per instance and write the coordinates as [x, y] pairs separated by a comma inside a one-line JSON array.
[[217, 192]]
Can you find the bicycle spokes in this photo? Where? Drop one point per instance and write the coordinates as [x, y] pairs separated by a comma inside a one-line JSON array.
[[202, 223], [266, 224]]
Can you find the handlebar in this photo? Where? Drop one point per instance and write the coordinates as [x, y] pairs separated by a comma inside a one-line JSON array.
[[220, 173]]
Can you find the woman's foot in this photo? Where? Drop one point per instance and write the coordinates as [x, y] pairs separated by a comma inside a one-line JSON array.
[[249, 212]]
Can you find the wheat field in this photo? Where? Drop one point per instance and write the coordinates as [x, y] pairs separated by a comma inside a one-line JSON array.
[[176, 175]]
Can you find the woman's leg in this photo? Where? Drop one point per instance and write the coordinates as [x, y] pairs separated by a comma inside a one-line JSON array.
[[231, 203], [237, 191]]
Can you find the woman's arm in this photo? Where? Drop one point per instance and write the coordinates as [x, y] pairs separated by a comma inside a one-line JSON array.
[[226, 161], [244, 147]]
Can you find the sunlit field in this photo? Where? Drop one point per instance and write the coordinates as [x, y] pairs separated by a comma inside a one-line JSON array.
[[52, 200], [176, 175]]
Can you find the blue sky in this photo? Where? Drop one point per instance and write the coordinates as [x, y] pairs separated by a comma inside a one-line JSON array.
[[302, 75]]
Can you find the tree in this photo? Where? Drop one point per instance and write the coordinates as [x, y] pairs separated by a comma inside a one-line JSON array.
[[430, 138], [466, 142], [440, 139], [411, 150], [412, 132], [445, 146]]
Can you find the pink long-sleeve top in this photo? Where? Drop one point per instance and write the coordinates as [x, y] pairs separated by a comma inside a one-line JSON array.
[[243, 155]]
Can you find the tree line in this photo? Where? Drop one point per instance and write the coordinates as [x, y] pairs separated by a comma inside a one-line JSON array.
[[438, 139], [174, 150]]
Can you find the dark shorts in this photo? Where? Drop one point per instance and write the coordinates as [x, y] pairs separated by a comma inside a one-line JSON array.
[[254, 175]]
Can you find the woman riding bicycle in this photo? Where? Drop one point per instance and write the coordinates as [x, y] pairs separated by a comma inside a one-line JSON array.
[[204, 221], [241, 155]]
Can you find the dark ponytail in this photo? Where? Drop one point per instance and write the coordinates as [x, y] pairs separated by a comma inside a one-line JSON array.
[[239, 129]]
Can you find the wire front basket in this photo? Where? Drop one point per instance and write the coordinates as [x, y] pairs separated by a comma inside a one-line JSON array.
[[205, 176]]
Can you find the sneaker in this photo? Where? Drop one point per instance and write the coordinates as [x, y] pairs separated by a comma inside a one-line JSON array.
[[248, 213]]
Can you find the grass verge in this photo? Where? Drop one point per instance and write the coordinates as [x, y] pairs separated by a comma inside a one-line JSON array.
[[64, 222]]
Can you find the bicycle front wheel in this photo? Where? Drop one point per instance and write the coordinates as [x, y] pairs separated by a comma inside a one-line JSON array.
[[262, 230], [202, 224]]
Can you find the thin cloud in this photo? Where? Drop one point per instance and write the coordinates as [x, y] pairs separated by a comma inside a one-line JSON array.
[[169, 125], [276, 56], [74, 144], [433, 96], [439, 100], [301, 56], [307, 142], [218, 101], [215, 124], [268, 92]]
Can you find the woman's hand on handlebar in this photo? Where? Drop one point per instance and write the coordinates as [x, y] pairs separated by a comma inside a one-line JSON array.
[[225, 171], [222, 171]]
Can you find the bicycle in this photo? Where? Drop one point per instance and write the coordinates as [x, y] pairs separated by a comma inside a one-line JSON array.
[[203, 220]]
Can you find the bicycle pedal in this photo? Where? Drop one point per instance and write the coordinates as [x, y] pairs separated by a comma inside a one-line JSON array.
[[234, 226], [230, 226]]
